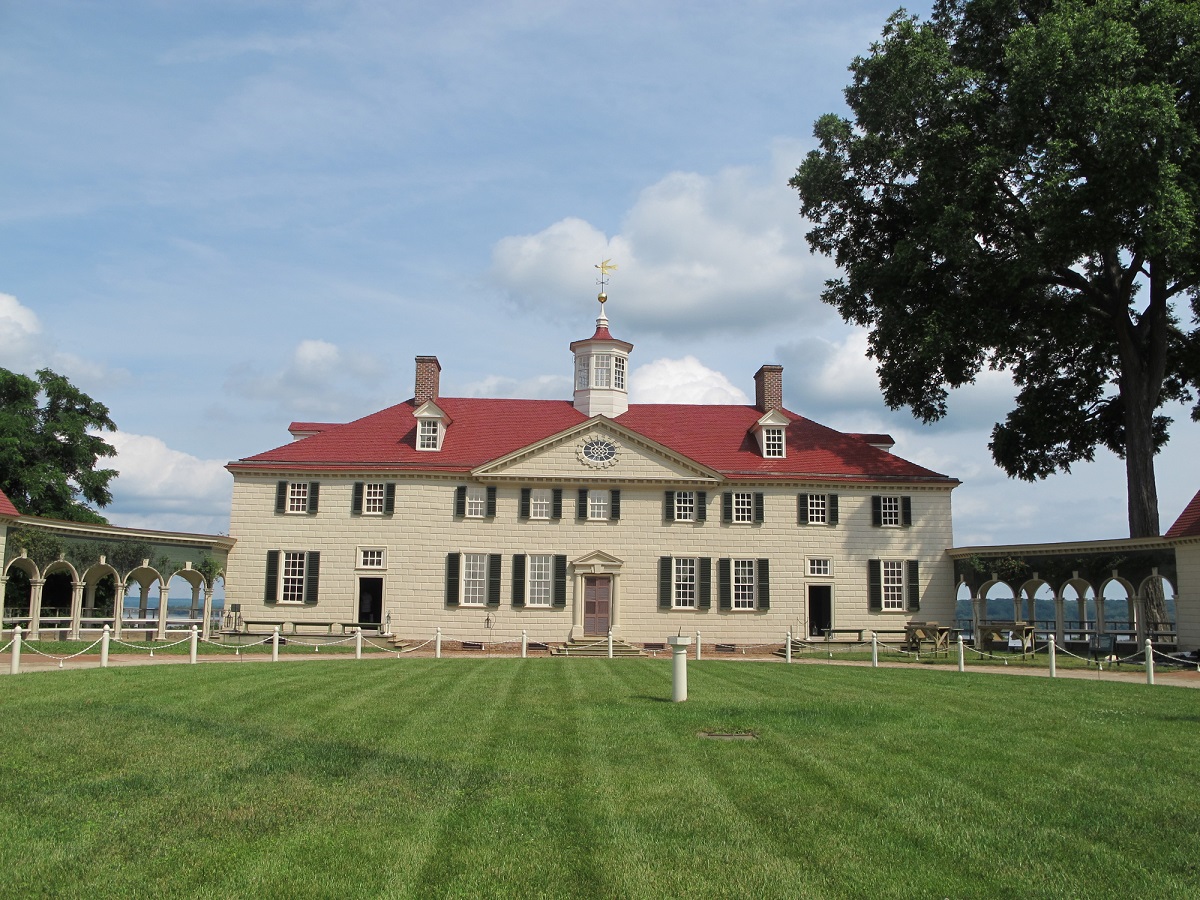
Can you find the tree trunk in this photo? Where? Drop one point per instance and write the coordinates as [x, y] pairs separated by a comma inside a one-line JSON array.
[[1142, 492]]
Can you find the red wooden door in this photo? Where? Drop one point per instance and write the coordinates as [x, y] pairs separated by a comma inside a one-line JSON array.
[[597, 593]]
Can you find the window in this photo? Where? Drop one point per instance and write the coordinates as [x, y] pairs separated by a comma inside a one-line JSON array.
[[297, 497], [619, 372], [743, 584], [601, 364], [429, 434], [773, 442], [743, 506], [685, 583], [816, 509], [685, 506], [540, 580], [581, 372], [293, 578], [370, 558], [893, 584], [889, 510], [476, 501], [819, 568], [373, 499], [597, 504], [539, 503], [474, 579]]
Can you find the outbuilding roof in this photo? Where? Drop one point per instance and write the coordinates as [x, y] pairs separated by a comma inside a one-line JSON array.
[[1188, 523], [6, 507]]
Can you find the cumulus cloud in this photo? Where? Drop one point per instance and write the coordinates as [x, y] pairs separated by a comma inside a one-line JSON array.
[[697, 254], [162, 488], [685, 380], [25, 349]]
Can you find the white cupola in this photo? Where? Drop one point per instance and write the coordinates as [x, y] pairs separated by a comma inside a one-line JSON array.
[[601, 371]]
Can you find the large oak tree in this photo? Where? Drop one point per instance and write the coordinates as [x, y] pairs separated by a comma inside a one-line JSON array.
[[1020, 189], [49, 447]]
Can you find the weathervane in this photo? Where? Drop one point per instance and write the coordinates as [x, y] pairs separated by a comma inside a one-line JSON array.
[[605, 267]]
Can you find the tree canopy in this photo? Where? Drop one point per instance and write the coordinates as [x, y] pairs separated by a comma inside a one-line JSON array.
[[1020, 189], [49, 449]]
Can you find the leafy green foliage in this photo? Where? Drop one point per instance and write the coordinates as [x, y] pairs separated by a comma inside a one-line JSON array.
[[49, 449], [1020, 190]]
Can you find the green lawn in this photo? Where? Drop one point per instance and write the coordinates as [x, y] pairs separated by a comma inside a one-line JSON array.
[[553, 777]]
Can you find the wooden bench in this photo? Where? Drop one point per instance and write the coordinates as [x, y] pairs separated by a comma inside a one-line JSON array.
[[856, 632], [654, 648]]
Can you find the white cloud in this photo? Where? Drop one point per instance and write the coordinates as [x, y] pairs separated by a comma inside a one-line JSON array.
[[538, 387], [685, 380], [697, 254], [25, 349], [158, 487]]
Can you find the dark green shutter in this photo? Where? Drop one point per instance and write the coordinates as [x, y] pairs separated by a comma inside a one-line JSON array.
[[523, 508], [701, 506], [518, 580], [453, 562], [802, 509], [906, 511], [312, 576], [664, 582], [876, 510], [460, 500], [271, 589], [759, 508], [560, 581], [493, 575], [727, 507], [724, 584], [874, 584], [831, 509], [389, 499], [614, 505], [556, 505], [281, 495], [581, 505], [314, 494], [914, 585], [704, 598], [357, 503], [668, 506], [763, 583], [490, 512]]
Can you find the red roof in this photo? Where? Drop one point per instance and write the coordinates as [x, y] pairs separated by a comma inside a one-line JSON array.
[[1188, 523], [6, 507], [718, 437]]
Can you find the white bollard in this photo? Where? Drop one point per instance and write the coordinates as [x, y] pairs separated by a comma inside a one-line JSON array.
[[678, 645], [15, 666], [962, 658], [1053, 660], [697, 645], [275, 645], [788, 644], [874, 650], [610, 644], [437, 644], [195, 636], [1149, 662], [104, 637], [524, 643], [358, 644]]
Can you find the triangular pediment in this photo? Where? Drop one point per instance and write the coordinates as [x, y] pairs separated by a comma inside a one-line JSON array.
[[598, 449], [597, 558]]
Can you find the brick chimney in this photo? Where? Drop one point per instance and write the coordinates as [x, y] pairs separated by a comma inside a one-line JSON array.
[[768, 388], [429, 372]]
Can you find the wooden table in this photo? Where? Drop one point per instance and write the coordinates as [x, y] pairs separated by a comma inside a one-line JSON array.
[[920, 634]]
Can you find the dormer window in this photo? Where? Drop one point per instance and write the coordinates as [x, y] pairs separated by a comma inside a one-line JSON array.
[[773, 442], [431, 426], [771, 431]]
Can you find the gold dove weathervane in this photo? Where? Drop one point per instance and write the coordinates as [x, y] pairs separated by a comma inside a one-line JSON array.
[[605, 267]]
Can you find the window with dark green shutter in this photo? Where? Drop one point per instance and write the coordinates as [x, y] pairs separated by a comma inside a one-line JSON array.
[[453, 563], [760, 507], [701, 506], [664, 582], [556, 504], [874, 584], [523, 505], [668, 506], [763, 584], [356, 502], [518, 579], [802, 509], [281, 496], [725, 583], [493, 589], [491, 503], [704, 595], [876, 510], [906, 511], [614, 508], [560, 581], [831, 511], [271, 588], [727, 506], [581, 505], [913, 583], [314, 492], [389, 499], [460, 501], [312, 576]]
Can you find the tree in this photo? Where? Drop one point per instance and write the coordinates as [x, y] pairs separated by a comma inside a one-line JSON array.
[[48, 448], [1020, 189]]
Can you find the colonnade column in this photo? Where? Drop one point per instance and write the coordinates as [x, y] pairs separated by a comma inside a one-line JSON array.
[[35, 607], [162, 610], [76, 609]]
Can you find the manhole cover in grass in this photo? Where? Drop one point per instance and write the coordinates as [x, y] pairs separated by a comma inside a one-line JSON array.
[[729, 735]]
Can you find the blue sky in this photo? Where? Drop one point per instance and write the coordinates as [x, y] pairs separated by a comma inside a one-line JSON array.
[[218, 217]]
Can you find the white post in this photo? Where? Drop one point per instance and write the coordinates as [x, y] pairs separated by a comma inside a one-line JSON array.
[[962, 659], [15, 667], [1149, 662], [788, 652], [524, 643], [610, 643], [874, 650], [437, 644], [1053, 660], [192, 646], [678, 645], [697, 645], [358, 644], [275, 645], [104, 637]]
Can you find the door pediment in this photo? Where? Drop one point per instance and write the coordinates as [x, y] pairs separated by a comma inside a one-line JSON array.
[[597, 563]]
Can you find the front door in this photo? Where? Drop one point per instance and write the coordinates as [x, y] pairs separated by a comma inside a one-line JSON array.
[[370, 601], [597, 603], [820, 609]]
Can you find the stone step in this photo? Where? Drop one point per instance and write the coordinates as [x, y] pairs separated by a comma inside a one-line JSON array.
[[594, 647]]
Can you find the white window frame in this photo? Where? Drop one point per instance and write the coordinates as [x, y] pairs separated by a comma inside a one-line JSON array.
[[818, 509], [374, 496], [889, 511], [297, 502], [820, 567], [429, 434], [743, 507], [684, 582], [368, 562], [685, 506], [539, 580], [601, 370], [598, 505], [472, 589], [618, 372], [476, 505], [773, 442], [540, 503], [583, 363], [744, 595], [892, 578], [293, 573]]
